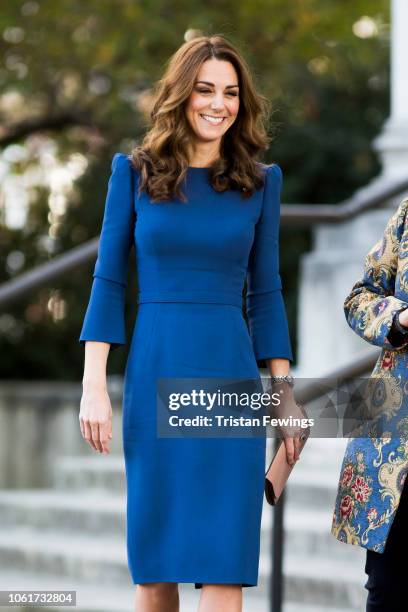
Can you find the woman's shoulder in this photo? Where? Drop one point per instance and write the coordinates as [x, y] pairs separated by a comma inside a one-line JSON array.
[[121, 161], [122, 167], [273, 170]]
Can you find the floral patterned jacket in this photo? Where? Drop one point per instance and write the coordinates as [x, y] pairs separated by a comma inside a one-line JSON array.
[[374, 468]]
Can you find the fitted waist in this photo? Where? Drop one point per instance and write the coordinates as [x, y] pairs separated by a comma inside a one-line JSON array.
[[200, 297]]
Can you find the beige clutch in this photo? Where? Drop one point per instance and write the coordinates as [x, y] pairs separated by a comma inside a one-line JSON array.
[[279, 470]]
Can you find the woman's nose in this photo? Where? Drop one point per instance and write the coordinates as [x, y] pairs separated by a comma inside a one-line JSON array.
[[217, 104]]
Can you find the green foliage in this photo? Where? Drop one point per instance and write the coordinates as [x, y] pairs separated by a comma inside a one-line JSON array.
[[80, 70]]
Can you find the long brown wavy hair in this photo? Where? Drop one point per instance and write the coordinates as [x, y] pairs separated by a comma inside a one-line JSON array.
[[162, 159]]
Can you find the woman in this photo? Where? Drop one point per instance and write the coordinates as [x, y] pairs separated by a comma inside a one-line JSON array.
[[203, 214], [372, 501]]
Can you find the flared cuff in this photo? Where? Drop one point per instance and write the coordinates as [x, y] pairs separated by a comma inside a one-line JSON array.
[[104, 319]]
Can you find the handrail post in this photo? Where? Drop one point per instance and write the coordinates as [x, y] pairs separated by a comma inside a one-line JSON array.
[[276, 582]]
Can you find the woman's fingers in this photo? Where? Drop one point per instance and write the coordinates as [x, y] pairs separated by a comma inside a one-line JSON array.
[[88, 434], [297, 445], [292, 449], [105, 434], [289, 450], [97, 434], [95, 419]]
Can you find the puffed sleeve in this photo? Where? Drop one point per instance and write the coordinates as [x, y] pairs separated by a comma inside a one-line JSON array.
[[104, 319], [266, 314], [371, 304]]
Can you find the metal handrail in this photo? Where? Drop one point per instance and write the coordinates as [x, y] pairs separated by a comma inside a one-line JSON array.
[[75, 258], [310, 214], [310, 391], [291, 214]]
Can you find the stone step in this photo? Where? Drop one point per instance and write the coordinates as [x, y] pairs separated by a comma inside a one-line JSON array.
[[307, 485], [79, 557], [92, 560], [299, 607], [325, 582], [320, 454], [103, 598], [308, 531], [312, 487], [323, 453], [89, 500], [102, 471], [99, 598], [94, 512], [91, 512], [96, 569]]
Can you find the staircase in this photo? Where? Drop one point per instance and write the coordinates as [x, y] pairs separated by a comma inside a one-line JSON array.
[[321, 573], [73, 537]]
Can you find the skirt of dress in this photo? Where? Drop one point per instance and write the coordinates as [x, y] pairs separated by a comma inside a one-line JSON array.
[[194, 505]]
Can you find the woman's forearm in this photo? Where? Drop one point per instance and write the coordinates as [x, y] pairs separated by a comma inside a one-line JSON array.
[[96, 357], [278, 366]]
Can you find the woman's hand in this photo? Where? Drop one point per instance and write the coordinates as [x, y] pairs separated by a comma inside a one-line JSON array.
[[95, 417], [287, 408]]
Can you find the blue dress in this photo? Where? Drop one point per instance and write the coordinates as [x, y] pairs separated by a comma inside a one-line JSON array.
[[194, 505]]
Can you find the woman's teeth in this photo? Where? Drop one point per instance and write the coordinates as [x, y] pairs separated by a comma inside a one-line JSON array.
[[213, 120]]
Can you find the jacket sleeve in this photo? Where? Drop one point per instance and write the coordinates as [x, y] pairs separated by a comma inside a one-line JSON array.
[[104, 319], [371, 305], [266, 314]]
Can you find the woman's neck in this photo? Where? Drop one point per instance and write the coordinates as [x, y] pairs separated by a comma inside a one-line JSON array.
[[203, 158]]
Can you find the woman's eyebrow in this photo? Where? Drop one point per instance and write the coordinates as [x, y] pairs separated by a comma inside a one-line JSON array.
[[212, 84]]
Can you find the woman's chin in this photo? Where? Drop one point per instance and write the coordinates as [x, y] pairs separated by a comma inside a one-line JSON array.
[[208, 135]]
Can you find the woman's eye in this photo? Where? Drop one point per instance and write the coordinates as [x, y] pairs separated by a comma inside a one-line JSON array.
[[203, 91]]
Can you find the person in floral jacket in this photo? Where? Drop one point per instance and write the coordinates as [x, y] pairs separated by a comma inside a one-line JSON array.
[[371, 484]]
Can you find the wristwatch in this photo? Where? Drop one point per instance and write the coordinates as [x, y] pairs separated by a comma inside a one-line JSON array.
[[284, 378]]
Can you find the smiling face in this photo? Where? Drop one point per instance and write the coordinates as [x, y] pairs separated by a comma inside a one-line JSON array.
[[213, 104]]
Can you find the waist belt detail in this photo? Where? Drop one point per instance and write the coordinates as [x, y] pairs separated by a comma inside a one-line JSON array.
[[204, 297]]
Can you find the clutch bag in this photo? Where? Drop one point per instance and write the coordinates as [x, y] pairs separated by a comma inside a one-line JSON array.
[[279, 470]]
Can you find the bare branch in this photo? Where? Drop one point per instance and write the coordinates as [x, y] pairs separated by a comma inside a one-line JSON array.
[[56, 122]]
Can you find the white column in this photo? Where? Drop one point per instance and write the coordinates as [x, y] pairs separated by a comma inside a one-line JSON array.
[[336, 262], [392, 144]]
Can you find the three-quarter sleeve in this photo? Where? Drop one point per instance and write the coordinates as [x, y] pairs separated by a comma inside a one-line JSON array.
[[104, 319], [266, 314], [371, 304]]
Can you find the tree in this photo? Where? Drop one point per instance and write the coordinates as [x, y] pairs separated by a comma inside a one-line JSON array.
[[76, 77]]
